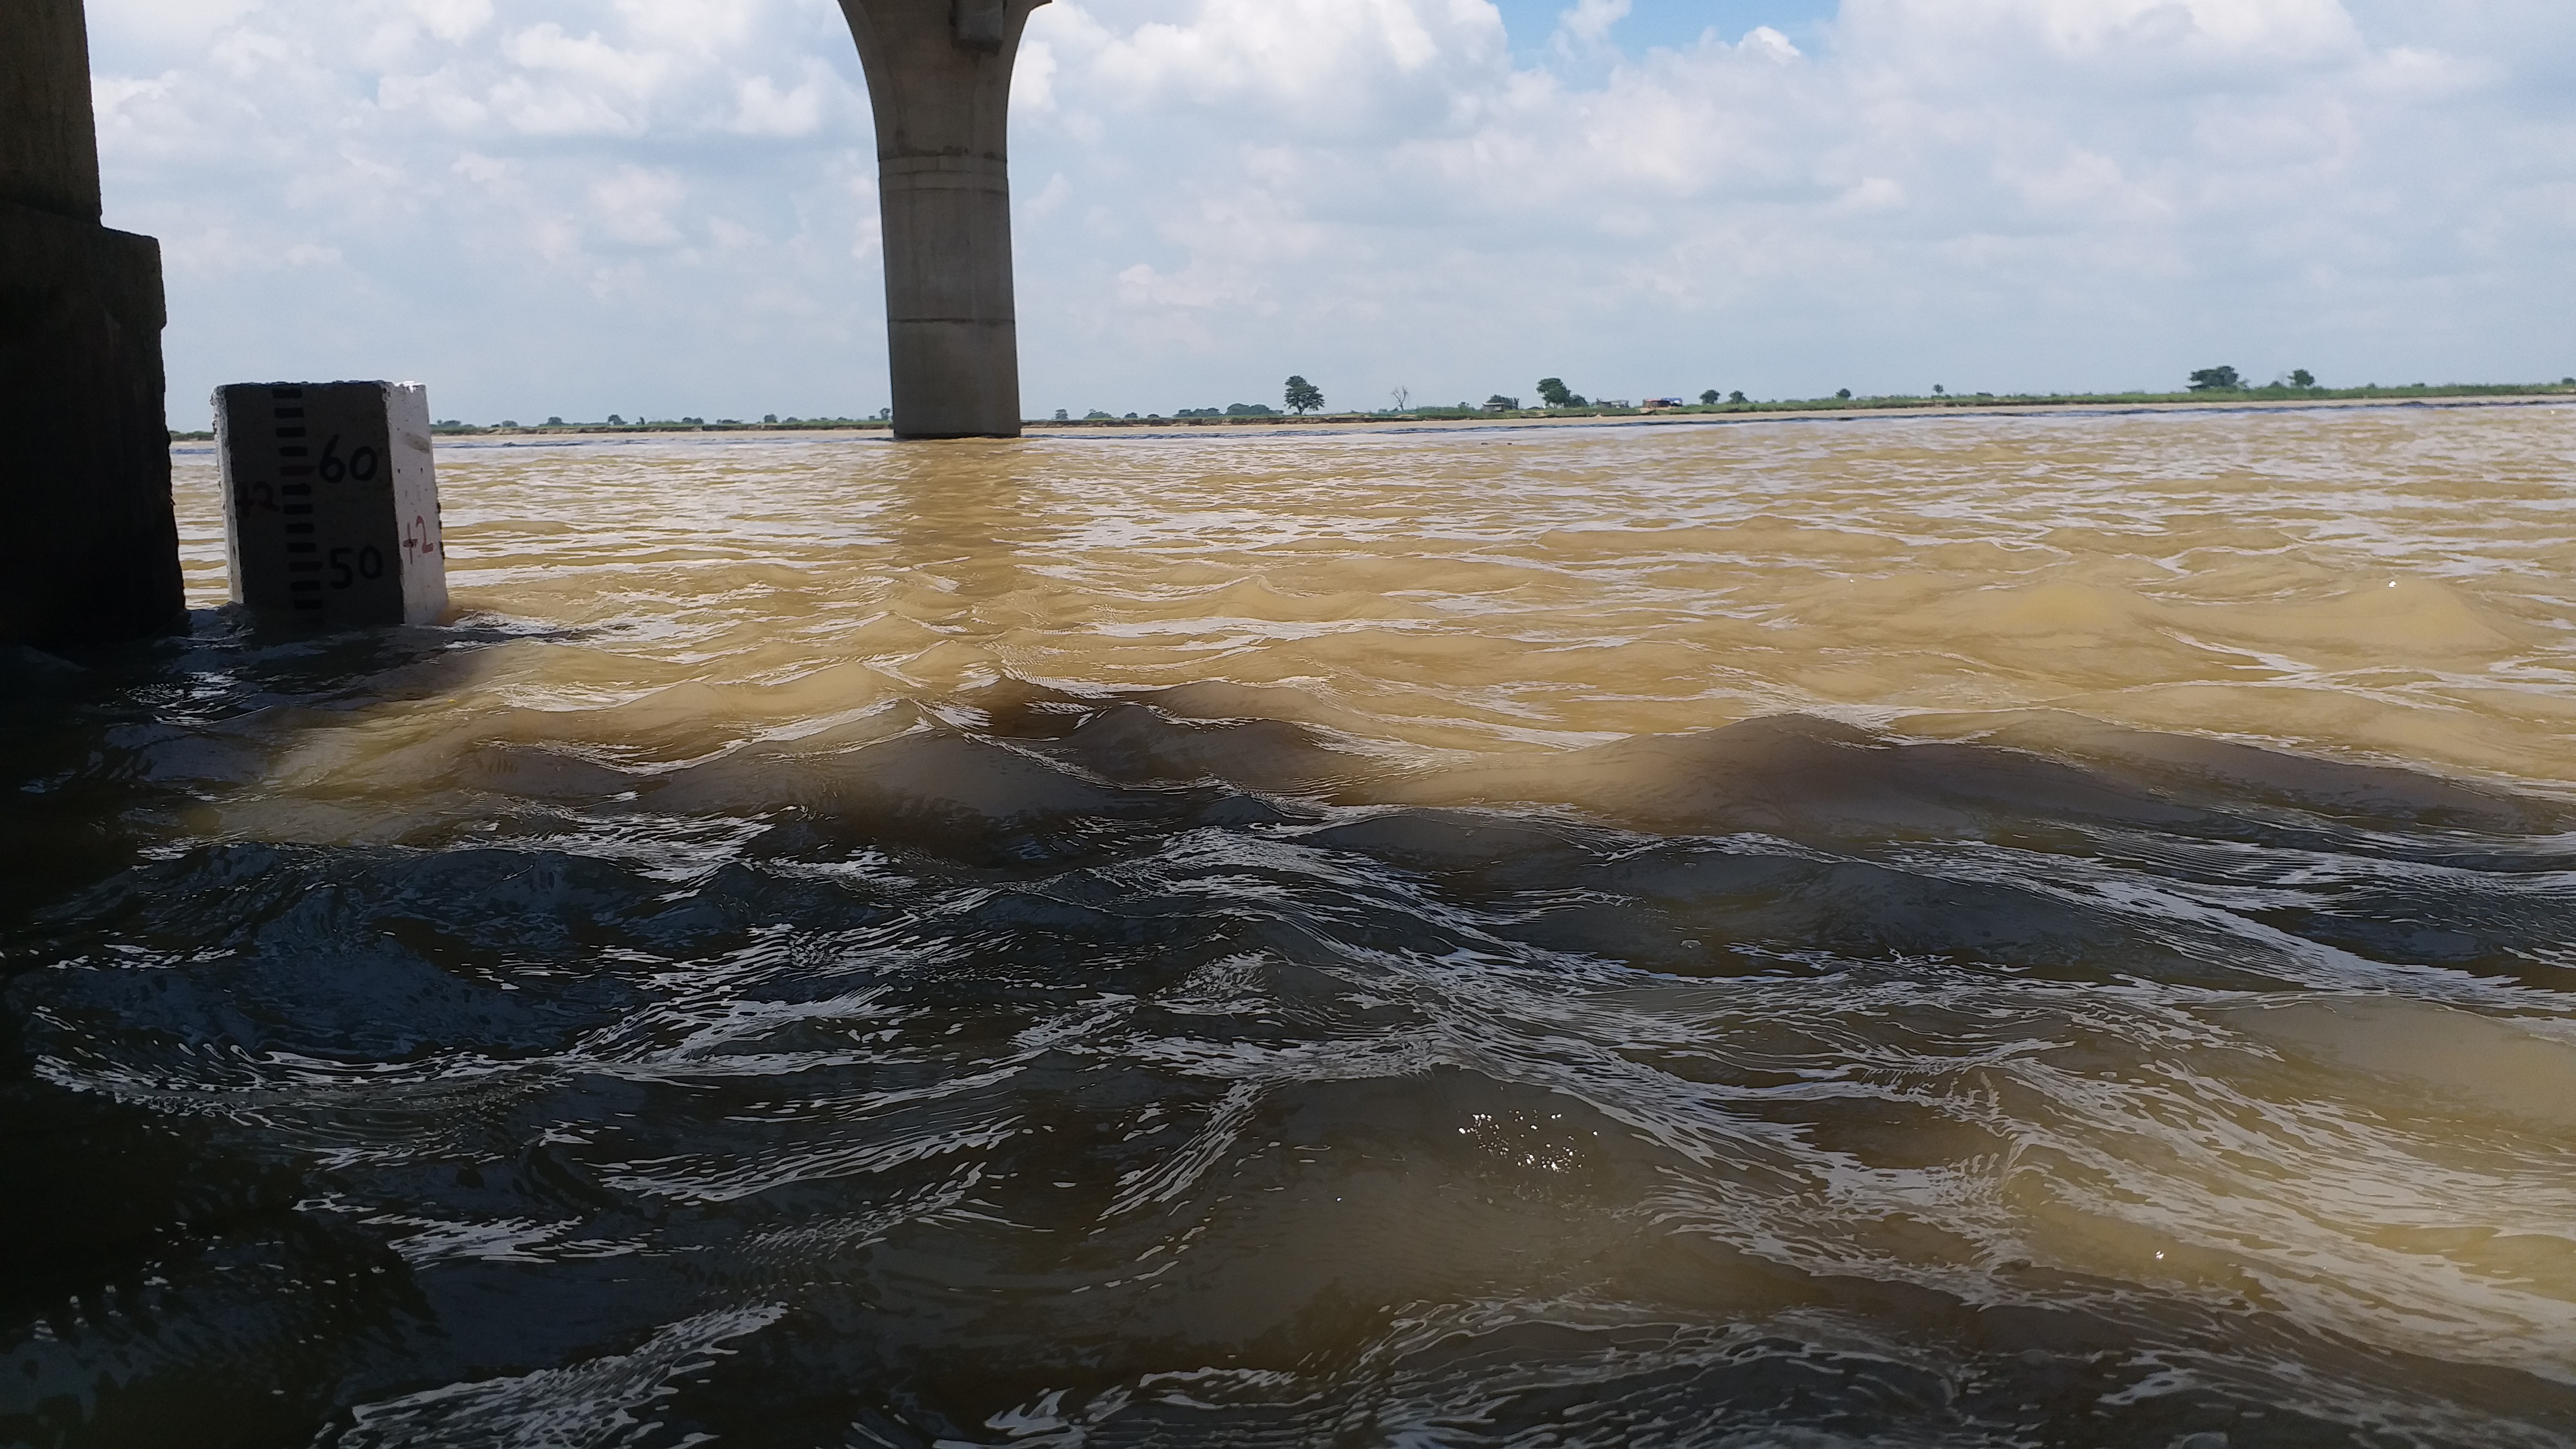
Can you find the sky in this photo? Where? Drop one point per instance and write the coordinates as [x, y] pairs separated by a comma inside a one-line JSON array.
[[667, 207]]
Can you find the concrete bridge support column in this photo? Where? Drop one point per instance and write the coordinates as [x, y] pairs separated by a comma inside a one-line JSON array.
[[939, 77], [88, 549]]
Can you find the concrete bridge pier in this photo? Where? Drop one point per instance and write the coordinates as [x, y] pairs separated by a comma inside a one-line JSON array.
[[89, 552], [939, 78]]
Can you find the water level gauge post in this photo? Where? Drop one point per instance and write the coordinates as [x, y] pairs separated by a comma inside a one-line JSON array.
[[331, 502]]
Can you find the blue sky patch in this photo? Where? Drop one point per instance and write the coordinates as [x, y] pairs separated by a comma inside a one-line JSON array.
[[1671, 23]]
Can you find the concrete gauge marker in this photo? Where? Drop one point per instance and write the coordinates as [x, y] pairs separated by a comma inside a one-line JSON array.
[[331, 502]]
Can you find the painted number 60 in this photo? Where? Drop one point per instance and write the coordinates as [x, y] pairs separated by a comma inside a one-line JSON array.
[[360, 464]]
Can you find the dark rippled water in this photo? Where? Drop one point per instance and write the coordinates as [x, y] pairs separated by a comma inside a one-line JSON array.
[[1950, 933]]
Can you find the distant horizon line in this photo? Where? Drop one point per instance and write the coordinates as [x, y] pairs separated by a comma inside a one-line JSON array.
[[1265, 416]]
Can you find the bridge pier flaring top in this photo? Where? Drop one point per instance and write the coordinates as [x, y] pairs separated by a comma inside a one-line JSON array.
[[939, 80]]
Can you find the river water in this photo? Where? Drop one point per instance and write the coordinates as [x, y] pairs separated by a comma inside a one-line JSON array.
[[1961, 931]]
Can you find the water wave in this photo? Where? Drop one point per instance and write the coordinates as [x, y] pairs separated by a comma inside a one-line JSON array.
[[1081, 988]]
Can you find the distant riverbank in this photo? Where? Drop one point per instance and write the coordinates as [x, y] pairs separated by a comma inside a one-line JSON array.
[[1449, 418], [2268, 398]]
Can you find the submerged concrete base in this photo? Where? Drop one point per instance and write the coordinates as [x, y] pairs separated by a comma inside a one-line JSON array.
[[89, 553]]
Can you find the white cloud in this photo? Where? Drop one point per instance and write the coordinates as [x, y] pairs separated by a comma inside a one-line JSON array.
[[766, 110], [1589, 22], [2133, 37], [453, 21], [1050, 198], [1348, 69], [1768, 43], [670, 203], [1033, 78], [633, 206]]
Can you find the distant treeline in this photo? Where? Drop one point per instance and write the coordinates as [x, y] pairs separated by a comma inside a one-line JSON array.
[[617, 423], [1500, 407]]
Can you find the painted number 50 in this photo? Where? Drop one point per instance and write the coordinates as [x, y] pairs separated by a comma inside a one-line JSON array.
[[368, 563]]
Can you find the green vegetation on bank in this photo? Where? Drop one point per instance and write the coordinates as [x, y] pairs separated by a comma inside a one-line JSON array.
[[619, 424], [1711, 403]]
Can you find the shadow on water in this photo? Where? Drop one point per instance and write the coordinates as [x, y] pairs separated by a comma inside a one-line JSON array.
[[109, 756], [1166, 1067]]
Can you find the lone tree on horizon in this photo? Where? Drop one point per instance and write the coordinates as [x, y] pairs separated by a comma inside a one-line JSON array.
[[1303, 396], [1553, 392], [2217, 379]]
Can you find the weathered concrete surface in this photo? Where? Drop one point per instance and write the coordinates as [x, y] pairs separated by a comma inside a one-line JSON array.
[[939, 77], [331, 502], [89, 552], [48, 143]]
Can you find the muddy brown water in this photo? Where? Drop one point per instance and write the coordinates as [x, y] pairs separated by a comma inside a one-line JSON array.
[[2031, 931]]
